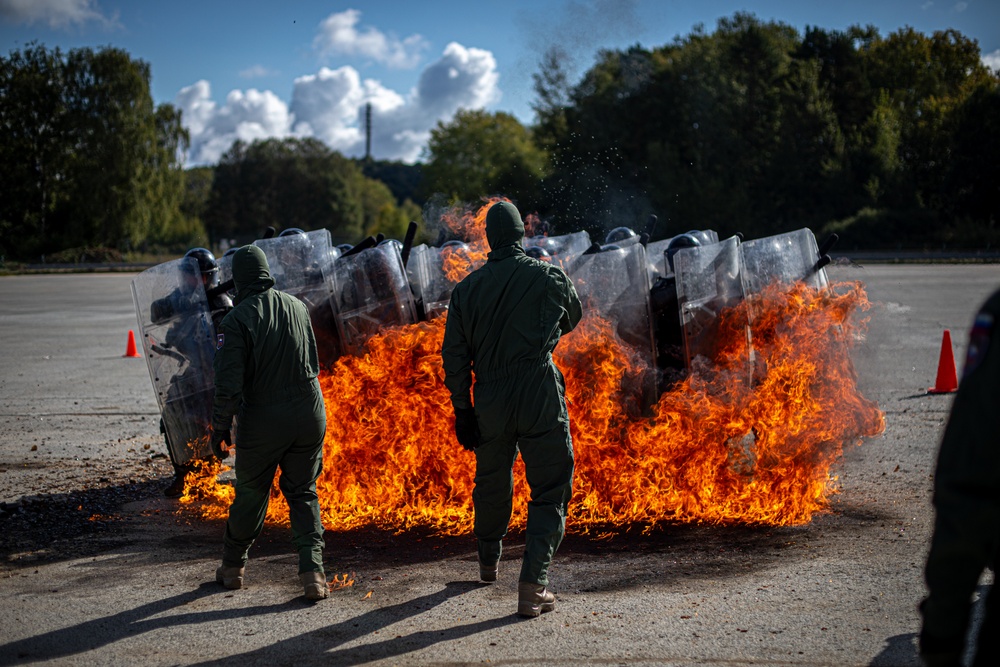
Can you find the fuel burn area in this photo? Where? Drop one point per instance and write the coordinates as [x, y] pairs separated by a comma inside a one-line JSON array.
[[769, 504]]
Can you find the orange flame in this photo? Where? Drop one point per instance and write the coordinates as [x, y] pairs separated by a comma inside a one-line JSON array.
[[340, 581], [714, 448], [456, 261]]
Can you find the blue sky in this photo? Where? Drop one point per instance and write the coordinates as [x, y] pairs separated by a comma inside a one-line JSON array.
[[249, 69]]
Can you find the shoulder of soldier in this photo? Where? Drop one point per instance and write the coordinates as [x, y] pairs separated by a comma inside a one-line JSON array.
[[553, 272]]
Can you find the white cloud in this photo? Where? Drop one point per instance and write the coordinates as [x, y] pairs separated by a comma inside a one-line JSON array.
[[961, 6], [329, 105], [257, 72], [992, 60], [246, 115], [338, 35], [56, 13]]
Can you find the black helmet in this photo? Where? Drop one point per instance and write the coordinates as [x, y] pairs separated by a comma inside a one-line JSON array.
[[290, 231], [619, 234], [538, 252], [345, 248], [206, 260], [231, 251], [688, 240], [206, 264]]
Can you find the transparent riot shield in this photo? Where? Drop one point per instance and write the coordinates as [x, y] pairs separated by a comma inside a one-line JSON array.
[[562, 249], [785, 258], [373, 294], [709, 280], [432, 273], [615, 284], [178, 340], [302, 265]]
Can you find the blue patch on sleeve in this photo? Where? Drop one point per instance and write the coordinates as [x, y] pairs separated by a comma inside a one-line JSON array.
[[219, 340]]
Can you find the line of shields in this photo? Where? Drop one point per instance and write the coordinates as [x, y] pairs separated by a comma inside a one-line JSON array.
[[662, 298]]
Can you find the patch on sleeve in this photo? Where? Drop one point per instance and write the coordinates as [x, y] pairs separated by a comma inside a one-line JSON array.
[[979, 342], [219, 340]]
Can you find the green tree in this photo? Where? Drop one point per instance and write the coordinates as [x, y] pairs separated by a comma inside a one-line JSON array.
[[285, 183], [88, 159], [478, 154]]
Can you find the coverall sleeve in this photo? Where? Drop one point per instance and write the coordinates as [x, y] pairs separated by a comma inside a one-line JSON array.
[[456, 355], [572, 308], [230, 364], [966, 500]]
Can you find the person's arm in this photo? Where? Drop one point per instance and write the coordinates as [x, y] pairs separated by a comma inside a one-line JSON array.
[[456, 355], [230, 363], [572, 308]]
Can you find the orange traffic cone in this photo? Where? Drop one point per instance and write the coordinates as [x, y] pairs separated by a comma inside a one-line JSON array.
[[947, 377], [130, 350]]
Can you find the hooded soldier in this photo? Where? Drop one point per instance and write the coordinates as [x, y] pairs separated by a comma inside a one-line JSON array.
[[266, 366], [504, 320]]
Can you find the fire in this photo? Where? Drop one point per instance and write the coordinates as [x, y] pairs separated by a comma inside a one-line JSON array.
[[719, 447], [458, 261], [340, 581]]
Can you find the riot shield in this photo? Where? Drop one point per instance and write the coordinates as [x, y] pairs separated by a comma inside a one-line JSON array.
[[301, 265], [563, 249], [708, 279], [432, 285], [785, 258], [178, 340], [615, 284], [373, 294]]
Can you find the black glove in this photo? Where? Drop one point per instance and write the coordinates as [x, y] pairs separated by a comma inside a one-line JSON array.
[[467, 428], [220, 436]]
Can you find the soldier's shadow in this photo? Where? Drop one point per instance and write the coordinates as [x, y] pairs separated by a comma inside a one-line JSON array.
[[324, 642]]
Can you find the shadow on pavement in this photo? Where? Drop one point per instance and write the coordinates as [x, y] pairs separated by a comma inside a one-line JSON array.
[[102, 631], [900, 650], [326, 644]]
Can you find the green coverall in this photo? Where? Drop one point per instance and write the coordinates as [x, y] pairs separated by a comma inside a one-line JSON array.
[[504, 320], [265, 371], [967, 504]]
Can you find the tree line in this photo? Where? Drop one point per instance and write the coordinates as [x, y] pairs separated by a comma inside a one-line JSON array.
[[893, 142], [890, 141]]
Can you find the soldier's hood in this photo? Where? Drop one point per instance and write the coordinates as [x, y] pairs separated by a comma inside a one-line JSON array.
[[503, 226], [251, 274]]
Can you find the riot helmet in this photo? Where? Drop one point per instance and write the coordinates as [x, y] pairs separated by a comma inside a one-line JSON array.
[[619, 234], [290, 231], [539, 253], [688, 240], [207, 265]]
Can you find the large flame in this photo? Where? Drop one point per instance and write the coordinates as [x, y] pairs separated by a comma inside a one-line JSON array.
[[737, 441], [470, 225]]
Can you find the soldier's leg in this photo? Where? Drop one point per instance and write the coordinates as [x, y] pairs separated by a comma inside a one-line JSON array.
[[547, 451], [493, 494], [256, 464], [301, 466], [549, 471]]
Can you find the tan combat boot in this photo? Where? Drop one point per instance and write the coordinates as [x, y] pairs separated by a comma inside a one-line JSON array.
[[487, 572], [533, 599], [230, 577], [314, 585]]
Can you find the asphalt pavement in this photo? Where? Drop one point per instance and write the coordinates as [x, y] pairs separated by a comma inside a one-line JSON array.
[[98, 568]]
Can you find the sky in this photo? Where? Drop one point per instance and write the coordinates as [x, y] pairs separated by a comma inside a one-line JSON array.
[[248, 69]]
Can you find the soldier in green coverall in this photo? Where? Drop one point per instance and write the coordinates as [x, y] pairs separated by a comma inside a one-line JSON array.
[[504, 320], [266, 365], [967, 504]]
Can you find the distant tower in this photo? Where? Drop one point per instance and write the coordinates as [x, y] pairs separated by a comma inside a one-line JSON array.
[[368, 131]]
